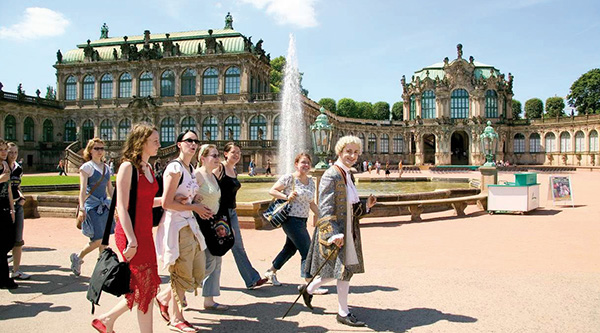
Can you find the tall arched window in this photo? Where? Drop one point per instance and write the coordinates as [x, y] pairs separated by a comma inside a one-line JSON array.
[[71, 88], [258, 127], [362, 141], [88, 87], [210, 128], [10, 128], [125, 85], [28, 129], [124, 128], [398, 144], [276, 128], [593, 141], [413, 107], [70, 131], [549, 142], [535, 144], [87, 131], [491, 104], [106, 86], [188, 82], [210, 81], [146, 84], [106, 129], [167, 84], [167, 132], [48, 131], [385, 143], [232, 80], [428, 105], [232, 128], [565, 142], [372, 143], [579, 142], [459, 104], [519, 143], [188, 123]]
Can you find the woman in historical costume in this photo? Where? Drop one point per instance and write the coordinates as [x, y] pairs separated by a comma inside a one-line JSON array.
[[7, 217], [94, 181], [16, 172], [135, 242], [338, 230]]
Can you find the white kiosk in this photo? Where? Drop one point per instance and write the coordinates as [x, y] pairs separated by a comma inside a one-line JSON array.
[[521, 196]]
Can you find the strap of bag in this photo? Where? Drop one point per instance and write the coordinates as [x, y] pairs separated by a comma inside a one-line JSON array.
[[95, 185], [113, 205]]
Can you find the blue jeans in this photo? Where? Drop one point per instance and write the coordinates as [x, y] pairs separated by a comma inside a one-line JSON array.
[[211, 285], [297, 239], [248, 273]]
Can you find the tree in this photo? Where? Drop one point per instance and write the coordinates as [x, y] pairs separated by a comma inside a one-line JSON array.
[[397, 110], [50, 93], [277, 74], [516, 109], [364, 110], [555, 107], [534, 108], [346, 107], [328, 104], [585, 93], [381, 111]]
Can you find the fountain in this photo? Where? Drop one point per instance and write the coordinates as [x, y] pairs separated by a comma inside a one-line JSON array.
[[292, 139]]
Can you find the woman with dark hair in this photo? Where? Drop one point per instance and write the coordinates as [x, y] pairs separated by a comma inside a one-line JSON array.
[[94, 179], [299, 189], [16, 172], [7, 217]]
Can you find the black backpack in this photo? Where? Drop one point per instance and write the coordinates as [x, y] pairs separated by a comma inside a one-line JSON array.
[[157, 212]]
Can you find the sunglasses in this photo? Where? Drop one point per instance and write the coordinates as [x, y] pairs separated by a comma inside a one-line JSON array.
[[98, 148], [213, 156], [190, 141]]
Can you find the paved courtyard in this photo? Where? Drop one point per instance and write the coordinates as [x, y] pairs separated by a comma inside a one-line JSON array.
[[538, 272]]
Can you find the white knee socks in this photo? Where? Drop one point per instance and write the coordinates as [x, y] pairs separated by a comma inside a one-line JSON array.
[[343, 287]]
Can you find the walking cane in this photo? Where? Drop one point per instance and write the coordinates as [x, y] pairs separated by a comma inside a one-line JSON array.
[[311, 280]]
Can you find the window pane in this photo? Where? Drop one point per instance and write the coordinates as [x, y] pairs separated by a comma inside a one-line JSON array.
[[167, 84], [459, 104], [534, 143], [258, 128], [124, 128], [188, 123], [70, 131], [106, 85], [276, 128], [48, 131], [593, 141], [232, 128], [167, 132], [10, 128], [188, 83], [28, 130], [385, 144], [491, 104], [71, 89], [210, 81], [125, 86], [413, 107], [549, 142], [210, 128], [146, 84], [398, 144], [88, 87], [106, 130], [232, 81], [428, 105]]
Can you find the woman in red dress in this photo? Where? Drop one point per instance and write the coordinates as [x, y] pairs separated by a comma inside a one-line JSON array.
[[136, 244]]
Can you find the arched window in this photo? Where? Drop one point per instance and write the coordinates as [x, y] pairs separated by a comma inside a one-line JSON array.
[[579, 142], [106, 129], [519, 143], [167, 132], [146, 84], [593, 141], [88, 87], [210, 128], [10, 128], [385, 144], [362, 140], [535, 144], [188, 123], [372, 143], [48, 131], [413, 107], [71, 88], [549, 142], [428, 105], [70, 131], [167, 84], [28, 129], [124, 129], [232, 128], [491, 104], [106, 85], [459, 104], [87, 131], [259, 85], [232, 80], [210, 81], [258, 128], [565, 142], [276, 128], [188, 83], [398, 144], [125, 85]]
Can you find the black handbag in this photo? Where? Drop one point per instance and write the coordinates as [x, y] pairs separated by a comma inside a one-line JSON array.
[[217, 232], [278, 210]]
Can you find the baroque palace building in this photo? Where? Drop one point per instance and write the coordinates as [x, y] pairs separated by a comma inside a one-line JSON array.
[[217, 83]]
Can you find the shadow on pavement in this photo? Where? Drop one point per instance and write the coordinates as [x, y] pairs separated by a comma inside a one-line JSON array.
[[43, 281], [392, 320], [292, 290], [27, 310], [37, 249]]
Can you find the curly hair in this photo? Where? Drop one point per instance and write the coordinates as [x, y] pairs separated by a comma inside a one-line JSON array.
[[343, 141], [134, 144], [87, 152]]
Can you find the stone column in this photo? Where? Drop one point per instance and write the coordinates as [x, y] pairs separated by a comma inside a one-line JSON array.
[[419, 149], [418, 106], [406, 110], [244, 80], [489, 175]]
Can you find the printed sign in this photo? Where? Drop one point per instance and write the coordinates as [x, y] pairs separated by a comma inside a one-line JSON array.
[[560, 189]]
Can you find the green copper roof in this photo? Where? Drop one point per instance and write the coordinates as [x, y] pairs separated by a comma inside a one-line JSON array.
[[437, 71]]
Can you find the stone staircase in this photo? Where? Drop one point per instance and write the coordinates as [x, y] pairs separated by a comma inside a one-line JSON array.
[[56, 205]]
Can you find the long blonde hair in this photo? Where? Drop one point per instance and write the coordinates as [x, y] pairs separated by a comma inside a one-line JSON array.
[[204, 150], [134, 144], [87, 152]]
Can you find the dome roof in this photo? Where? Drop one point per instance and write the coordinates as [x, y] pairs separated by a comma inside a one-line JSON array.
[[437, 71]]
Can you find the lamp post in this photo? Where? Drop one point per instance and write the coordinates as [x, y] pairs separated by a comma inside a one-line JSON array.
[[321, 134], [489, 146]]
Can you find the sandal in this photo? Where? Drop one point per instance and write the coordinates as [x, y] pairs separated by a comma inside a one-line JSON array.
[[99, 326], [217, 307], [163, 310], [183, 327]]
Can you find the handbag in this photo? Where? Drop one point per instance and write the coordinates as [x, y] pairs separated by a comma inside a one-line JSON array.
[[278, 210], [218, 233], [78, 222]]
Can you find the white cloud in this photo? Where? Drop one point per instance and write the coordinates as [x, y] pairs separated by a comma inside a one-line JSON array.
[[300, 13], [36, 23]]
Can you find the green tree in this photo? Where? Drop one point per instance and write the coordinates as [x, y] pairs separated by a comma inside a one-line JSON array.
[[277, 73], [397, 110], [346, 107], [516, 109], [381, 111], [50, 93], [534, 108], [364, 110], [328, 104], [555, 107], [585, 93]]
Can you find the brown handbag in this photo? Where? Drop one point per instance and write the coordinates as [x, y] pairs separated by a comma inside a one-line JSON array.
[[79, 222]]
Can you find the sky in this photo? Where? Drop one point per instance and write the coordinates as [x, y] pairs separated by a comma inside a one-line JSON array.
[[345, 48]]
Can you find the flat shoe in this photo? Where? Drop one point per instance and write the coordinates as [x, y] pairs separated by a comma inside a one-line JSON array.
[[306, 297], [217, 307], [350, 320], [183, 327], [99, 326], [164, 311]]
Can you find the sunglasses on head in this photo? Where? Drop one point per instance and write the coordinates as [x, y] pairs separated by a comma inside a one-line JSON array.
[[191, 141], [98, 148]]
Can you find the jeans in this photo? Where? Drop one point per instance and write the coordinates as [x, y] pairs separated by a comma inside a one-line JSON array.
[[211, 285], [19, 221], [248, 273], [297, 239]]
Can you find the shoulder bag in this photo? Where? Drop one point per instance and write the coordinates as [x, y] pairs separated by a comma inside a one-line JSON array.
[[79, 221], [278, 210]]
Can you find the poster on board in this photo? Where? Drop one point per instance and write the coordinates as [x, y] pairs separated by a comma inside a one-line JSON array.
[[560, 190]]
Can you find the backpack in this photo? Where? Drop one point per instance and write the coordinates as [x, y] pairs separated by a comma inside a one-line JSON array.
[[157, 212]]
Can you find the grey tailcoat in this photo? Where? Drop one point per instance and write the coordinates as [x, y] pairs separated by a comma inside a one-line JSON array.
[[332, 221]]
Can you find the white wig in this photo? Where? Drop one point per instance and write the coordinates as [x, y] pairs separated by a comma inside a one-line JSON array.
[[343, 141]]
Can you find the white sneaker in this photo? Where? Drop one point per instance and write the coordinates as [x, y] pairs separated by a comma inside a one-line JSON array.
[[19, 275], [76, 264], [272, 277]]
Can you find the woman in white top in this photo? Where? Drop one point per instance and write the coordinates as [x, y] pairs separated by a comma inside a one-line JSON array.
[[94, 176]]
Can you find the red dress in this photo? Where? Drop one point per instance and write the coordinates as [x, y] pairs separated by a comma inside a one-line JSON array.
[[144, 269]]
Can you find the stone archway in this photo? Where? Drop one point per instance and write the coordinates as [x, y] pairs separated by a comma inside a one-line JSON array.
[[429, 142], [459, 145]]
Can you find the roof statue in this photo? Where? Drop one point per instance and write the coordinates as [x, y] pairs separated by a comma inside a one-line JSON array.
[[88, 51], [104, 31], [59, 56], [459, 50], [115, 54], [211, 43], [228, 21], [471, 60], [168, 46], [125, 49]]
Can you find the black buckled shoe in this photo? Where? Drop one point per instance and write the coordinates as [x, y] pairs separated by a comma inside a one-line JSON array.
[[350, 320], [306, 297]]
